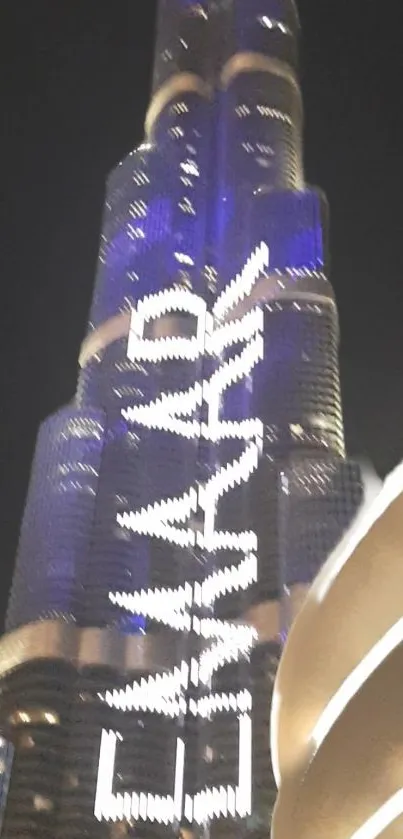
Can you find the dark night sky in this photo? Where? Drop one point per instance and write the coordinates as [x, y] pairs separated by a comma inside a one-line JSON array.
[[76, 74]]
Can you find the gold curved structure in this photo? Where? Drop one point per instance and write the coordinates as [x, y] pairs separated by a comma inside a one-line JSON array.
[[177, 85], [337, 717], [252, 62], [59, 640], [98, 340]]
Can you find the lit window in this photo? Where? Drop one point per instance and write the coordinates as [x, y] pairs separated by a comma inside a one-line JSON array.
[[42, 804]]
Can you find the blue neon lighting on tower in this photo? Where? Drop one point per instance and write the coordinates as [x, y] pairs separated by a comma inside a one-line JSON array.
[[183, 501]]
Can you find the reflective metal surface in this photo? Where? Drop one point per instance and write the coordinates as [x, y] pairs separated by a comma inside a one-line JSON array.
[[354, 785], [337, 724]]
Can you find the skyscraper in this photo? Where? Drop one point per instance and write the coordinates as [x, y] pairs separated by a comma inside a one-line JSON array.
[[181, 504]]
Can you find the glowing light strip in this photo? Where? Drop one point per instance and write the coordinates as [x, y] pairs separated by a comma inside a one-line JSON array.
[[222, 540], [181, 300], [274, 727], [236, 369], [179, 778], [230, 476], [223, 630], [217, 703], [211, 803], [382, 819], [153, 521], [160, 530], [164, 349], [164, 413], [161, 349], [273, 23], [166, 686], [150, 697], [169, 300], [164, 512], [230, 579], [163, 519], [223, 653], [244, 791], [234, 332], [156, 608], [145, 601], [243, 430], [243, 283], [182, 403], [355, 680], [106, 771], [153, 602], [141, 700]]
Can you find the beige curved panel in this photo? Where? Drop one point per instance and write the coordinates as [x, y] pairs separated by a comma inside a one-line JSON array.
[[101, 338], [353, 789], [252, 62], [86, 648], [266, 620], [349, 623], [312, 289], [181, 83]]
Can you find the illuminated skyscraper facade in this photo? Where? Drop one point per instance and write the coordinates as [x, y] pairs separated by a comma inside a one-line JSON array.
[[179, 507]]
